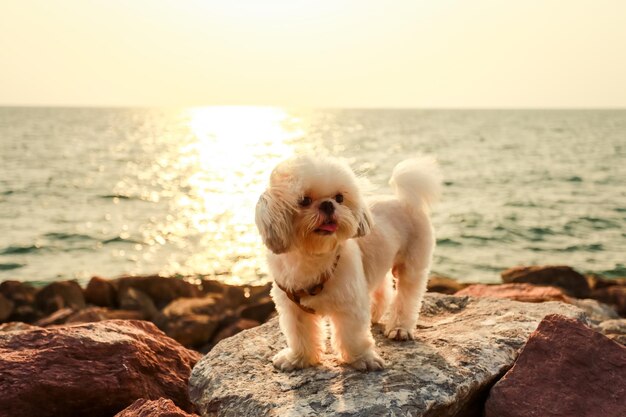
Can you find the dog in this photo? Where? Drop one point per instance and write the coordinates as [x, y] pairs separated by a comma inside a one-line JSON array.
[[331, 253]]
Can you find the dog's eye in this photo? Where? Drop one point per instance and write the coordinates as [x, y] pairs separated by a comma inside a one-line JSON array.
[[305, 202], [339, 198]]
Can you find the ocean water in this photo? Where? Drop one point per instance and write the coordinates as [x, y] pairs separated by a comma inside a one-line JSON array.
[[106, 192]]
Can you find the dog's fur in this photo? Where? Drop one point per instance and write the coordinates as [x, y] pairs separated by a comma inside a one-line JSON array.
[[304, 238]]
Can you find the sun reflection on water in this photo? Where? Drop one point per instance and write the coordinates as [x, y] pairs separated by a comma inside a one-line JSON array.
[[229, 155]]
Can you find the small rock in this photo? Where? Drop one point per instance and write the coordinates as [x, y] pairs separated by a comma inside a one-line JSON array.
[[234, 328], [519, 292], [58, 295], [260, 311], [565, 369], [211, 304], [94, 314], [153, 408], [133, 299], [58, 317], [614, 295], [101, 292], [6, 308], [615, 330], [93, 369], [573, 283], [595, 310], [444, 285], [160, 289], [18, 292], [16, 326], [191, 330]]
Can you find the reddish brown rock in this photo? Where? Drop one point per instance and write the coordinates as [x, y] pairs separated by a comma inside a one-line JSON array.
[[260, 311], [58, 295], [6, 308], [573, 283], [518, 292], [94, 369], [153, 408], [101, 292], [597, 281], [93, 314], [161, 290], [444, 285], [614, 295], [565, 369]]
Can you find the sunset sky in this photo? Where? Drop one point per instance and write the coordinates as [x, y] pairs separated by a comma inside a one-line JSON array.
[[314, 53]]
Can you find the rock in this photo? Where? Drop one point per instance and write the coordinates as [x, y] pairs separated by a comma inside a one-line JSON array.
[[597, 281], [444, 285], [596, 312], [6, 308], [212, 304], [161, 290], [519, 292], [58, 295], [16, 326], [614, 330], [462, 346], [614, 295], [260, 311], [153, 408], [93, 314], [101, 292], [191, 330], [233, 295], [58, 317], [23, 297], [565, 369], [18, 292], [94, 369], [133, 299], [234, 328], [573, 283]]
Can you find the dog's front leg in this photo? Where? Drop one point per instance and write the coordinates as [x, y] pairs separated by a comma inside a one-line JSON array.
[[303, 332], [352, 338]]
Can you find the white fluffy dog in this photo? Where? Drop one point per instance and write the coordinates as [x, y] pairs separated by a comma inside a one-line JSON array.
[[331, 254]]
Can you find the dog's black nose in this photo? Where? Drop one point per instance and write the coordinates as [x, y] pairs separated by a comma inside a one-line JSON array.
[[327, 207]]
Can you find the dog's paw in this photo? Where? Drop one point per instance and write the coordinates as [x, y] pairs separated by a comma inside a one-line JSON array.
[[368, 362], [398, 333], [286, 360]]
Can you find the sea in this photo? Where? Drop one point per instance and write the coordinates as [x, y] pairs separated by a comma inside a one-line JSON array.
[[114, 191]]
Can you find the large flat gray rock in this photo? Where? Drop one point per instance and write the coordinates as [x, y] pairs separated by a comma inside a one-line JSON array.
[[463, 345]]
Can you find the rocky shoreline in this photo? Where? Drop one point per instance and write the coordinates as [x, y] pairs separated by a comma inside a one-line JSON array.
[[127, 321]]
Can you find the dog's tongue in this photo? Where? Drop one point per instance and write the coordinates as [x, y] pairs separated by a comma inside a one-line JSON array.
[[329, 227]]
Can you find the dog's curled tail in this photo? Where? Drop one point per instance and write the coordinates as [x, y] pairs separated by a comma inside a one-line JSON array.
[[417, 181]]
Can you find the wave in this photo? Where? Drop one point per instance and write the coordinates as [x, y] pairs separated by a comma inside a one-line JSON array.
[[68, 236], [19, 250], [9, 266], [119, 239]]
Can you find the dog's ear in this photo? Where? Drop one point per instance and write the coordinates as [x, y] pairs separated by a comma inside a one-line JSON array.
[[364, 217], [274, 220]]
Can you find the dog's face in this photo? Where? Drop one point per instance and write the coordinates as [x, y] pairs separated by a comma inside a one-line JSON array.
[[311, 206]]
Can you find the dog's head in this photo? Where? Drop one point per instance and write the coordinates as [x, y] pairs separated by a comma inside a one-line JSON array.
[[312, 204]]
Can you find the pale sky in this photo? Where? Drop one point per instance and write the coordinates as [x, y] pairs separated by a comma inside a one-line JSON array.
[[314, 53]]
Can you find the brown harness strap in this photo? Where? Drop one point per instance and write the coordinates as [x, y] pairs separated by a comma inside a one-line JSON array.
[[296, 295]]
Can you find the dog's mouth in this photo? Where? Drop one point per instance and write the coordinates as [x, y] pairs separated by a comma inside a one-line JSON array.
[[327, 228]]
